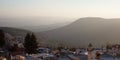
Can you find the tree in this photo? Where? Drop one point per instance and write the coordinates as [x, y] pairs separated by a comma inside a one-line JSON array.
[[90, 47], [2, 40], [30, 43], [27, 43], [34, 44]]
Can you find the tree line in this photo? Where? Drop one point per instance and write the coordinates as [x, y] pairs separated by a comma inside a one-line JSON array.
[[30, 42]]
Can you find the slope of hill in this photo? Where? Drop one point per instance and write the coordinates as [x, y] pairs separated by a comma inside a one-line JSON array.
[[80, 33], [14, 31], [35, 24], [42, 28]]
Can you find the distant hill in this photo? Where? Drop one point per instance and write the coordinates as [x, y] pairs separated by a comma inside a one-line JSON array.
[[35, 24], [14, 31], [95, 30], [42, 28]]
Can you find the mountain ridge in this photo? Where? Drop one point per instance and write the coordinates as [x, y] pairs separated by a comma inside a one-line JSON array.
[[15, 31], [83, 31]]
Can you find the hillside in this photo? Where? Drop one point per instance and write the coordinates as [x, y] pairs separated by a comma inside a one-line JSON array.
[[14, 31], [35, 24], [98, 31], [42, 28]]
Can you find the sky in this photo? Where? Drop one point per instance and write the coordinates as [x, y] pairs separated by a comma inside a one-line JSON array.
[[60, 8]]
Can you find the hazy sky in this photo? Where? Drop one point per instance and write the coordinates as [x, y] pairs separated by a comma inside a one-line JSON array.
[[60, 8]]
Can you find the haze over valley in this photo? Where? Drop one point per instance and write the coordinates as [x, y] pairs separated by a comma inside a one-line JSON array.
[[36, 24], [59, 30], [80, 32], [77, 22]]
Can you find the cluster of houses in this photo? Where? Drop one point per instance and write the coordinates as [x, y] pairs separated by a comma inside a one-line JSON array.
[[12, 40], [115, 50]]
